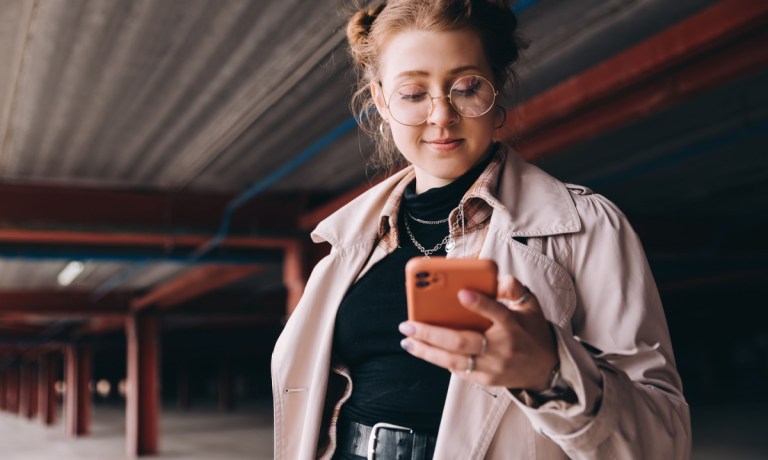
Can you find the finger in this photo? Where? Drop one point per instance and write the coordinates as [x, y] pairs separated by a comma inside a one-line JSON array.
[[483, 305], [452, 340], [515, 295], [510, 288], [454, 362]]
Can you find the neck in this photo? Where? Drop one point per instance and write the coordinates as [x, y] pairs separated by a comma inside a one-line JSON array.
[[425, 181]]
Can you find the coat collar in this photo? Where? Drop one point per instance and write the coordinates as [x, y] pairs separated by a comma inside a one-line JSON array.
[[527, 202]]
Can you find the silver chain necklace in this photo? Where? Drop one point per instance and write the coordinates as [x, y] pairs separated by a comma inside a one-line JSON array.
[[448, 241], [429, 222]]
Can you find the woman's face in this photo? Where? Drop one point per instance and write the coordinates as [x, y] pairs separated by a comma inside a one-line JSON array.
[[447, 145]]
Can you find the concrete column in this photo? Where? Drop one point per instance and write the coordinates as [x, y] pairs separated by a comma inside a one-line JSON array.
[[143, 395], [77, 400], [46, 389]]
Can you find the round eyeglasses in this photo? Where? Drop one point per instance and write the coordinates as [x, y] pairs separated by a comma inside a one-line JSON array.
[[470, 96]]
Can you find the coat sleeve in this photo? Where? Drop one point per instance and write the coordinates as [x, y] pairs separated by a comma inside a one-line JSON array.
[[617, 354]]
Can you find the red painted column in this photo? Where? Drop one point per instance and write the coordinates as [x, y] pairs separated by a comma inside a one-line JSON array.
[[77, 400], [31, 391], [23, 389], [3, 390], [46, 389], [143, 398], [13, 389], [295, 273]]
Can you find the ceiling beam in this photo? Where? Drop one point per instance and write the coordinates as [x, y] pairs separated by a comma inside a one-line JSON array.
[[158, 240], [159, 211], [61, 303], [98, 326], [194, 283], [717, 45]]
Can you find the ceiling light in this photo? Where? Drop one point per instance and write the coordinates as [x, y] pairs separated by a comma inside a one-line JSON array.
[[70, 272]]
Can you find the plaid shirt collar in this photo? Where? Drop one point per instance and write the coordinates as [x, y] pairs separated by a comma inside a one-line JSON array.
[[478, 202]]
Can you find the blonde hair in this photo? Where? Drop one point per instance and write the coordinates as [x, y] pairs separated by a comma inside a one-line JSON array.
[[368, 31]]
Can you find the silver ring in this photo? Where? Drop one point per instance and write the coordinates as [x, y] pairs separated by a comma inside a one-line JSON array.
[[521, 300], [470, 364], [485, 346]]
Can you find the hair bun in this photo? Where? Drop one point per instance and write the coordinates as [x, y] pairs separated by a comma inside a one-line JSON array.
[[360, 23]]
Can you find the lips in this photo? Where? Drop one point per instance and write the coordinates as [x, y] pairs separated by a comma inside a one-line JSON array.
[[446, 143]]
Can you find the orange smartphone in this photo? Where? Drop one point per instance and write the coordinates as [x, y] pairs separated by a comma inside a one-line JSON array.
[[432, 286]]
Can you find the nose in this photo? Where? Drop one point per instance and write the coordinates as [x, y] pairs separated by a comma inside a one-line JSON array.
[[443, 114]]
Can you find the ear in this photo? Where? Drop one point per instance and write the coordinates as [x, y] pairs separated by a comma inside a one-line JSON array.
[[378, 99], [500, 118]]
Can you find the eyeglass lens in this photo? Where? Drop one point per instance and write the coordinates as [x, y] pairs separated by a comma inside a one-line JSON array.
[[470, 96]]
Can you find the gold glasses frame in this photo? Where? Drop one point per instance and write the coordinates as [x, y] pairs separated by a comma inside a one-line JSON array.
[[387, 101]]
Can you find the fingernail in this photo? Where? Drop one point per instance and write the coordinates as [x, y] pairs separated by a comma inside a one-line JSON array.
[[407, 328], [406, 344], [467, 296]]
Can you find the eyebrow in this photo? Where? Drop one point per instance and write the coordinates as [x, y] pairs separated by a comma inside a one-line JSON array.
[[422, 73]]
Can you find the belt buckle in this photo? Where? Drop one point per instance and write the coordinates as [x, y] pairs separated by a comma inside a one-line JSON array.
[[373, 437]]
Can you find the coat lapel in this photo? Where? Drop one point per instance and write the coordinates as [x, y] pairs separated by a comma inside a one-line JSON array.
[[545, 208]]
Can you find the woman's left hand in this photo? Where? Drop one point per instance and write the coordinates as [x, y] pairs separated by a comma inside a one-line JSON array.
[[520, 350]]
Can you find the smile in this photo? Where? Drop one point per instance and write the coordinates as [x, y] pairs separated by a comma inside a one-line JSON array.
[[445, 144]]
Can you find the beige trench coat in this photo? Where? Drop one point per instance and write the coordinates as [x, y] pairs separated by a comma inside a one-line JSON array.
[[587, 268]]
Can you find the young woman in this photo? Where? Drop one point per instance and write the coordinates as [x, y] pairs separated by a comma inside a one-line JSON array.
[[578, 361]]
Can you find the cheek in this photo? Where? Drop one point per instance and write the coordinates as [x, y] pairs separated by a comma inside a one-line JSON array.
[[405, 138]]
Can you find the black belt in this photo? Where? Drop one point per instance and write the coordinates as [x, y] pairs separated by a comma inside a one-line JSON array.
[[384, 441]]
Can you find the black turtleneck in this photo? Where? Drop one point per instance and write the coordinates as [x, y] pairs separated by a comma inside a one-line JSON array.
[[388, 384]]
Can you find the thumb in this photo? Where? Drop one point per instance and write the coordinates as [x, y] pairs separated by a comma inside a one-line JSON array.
[[516, 296]]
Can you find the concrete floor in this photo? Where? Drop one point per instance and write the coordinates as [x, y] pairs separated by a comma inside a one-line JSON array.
[[197, 434], [728, 431]]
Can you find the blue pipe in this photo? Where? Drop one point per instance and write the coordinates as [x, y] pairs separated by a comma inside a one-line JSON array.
[[270, 180], [522, 5], [304, 156]]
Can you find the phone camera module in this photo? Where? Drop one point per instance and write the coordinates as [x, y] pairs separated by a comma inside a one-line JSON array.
[[422, 275], [422, 284]]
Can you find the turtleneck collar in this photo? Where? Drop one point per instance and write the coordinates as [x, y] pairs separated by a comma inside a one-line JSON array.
[[436, 203]]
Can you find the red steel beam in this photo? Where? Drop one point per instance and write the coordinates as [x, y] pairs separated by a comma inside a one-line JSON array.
[[711, 48], [151, 209], [61, 303], [21, 236], [101, 325], [194, 283], [664, 92]]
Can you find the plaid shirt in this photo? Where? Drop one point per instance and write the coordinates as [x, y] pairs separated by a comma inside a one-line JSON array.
[[468, 221]]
